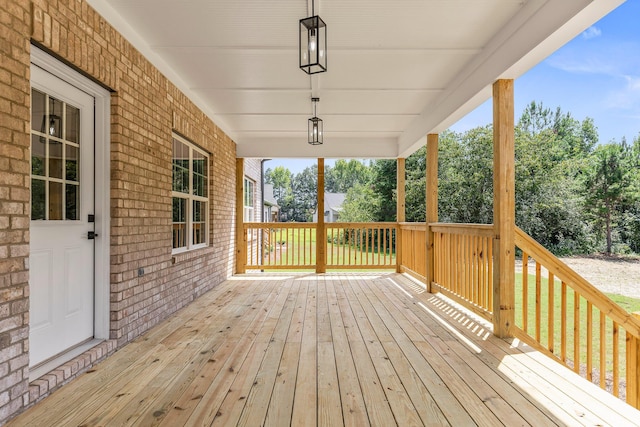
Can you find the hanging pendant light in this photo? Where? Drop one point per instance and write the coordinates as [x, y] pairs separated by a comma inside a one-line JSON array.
[[313, 43], [315, 126]]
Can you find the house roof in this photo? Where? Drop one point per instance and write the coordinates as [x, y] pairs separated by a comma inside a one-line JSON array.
[[397, 69], [334, 201], [269, 198]]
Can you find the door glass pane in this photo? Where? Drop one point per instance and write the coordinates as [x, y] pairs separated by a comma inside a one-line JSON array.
[[38, 111], [71, 163], [55, 159], [55, 156], [72, 127], [72, 202], [38, 199], [55, 118], [55, 201], [38, 144]]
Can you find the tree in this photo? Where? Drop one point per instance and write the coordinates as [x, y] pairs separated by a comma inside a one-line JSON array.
[[304, 188], [345, 175], [280, 178], [465, 176], [416, 186], [606, 185], [361, 204], [383, 184]]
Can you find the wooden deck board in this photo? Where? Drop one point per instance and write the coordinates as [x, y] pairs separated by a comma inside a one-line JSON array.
[[327, 350]]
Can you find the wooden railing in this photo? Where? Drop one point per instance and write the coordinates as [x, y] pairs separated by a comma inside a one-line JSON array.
[[289, 245], [557, 311], [561, 314], [414, 245], [463, 264], [280, 245], [359, 245]]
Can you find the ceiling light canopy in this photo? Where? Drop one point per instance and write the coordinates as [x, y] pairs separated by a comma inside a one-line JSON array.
[[313, 44]]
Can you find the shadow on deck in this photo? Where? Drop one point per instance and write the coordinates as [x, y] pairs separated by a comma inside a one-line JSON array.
[[333, 349]]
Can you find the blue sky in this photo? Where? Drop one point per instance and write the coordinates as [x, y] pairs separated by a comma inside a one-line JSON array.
[[595, 75]]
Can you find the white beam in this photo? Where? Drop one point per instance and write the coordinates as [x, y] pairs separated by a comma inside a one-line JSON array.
[[333, 148]]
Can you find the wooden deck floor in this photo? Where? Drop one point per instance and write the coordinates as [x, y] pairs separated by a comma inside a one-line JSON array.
[[326, 350]]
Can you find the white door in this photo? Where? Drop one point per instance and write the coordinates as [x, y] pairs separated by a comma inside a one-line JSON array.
[[61, 262]]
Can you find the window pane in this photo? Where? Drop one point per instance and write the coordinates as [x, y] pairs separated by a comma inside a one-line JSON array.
[[248, 193], [190, 177], [54, 126], [55, 159], [199, 222], [180, 167], [72, 202], [38, 199], [72, 127], [199, 185], [179, 222], [38, 155], [71, 163], [199, 174], [38, 111], [55, 201]]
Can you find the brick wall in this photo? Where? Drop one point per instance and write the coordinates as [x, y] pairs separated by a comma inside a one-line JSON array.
[[14, 204], [145, 109]]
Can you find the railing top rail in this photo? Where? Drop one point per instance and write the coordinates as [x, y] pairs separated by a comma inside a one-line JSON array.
[[413, 226], [265, 225], [566, 274], [485, 230], [361, 224]]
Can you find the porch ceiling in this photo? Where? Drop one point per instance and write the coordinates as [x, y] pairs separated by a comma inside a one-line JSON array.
[[397, 69]]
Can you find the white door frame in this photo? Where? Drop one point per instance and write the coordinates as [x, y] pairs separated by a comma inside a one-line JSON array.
[[102, 181]]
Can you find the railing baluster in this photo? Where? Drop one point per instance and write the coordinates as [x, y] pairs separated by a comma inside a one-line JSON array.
[[538, 300], [616, 360], [576, 332], [589, 341], [551, 321], [525, 292], [603, 351], [563, 322]]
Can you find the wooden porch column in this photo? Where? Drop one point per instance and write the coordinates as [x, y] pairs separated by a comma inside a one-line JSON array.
[[432, 201], [400, 209], [321, 241], [241, 238], [503, 208]]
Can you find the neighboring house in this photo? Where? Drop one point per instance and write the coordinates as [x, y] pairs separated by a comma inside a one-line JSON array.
[[252, 190], [270, 207], [332, 207]]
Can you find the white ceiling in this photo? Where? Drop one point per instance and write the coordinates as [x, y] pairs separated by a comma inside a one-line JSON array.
[[397, 69]]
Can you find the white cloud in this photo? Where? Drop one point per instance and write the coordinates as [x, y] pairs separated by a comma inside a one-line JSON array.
[[584, 64], [591, 33], [627, 98]]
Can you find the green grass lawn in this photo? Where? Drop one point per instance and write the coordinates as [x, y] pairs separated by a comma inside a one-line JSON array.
[[629, 304]]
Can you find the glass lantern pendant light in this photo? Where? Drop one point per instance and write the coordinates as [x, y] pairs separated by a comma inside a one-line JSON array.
[[313, 44], [315, 126]]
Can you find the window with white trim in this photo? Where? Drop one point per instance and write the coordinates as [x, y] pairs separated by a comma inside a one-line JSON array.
[[189, 196], [249, 191]]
